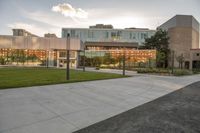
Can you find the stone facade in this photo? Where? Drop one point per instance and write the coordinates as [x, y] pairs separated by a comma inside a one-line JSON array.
[[183, 31]]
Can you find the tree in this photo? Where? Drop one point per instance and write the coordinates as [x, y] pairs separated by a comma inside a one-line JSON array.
[[97, 61], [180, 60], [2, 61], [119, 60], [160, 42], [160, 59], [106, 59]]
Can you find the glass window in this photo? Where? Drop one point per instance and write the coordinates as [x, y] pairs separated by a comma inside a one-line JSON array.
[[143, 35], [130, 36], [107, 34], [73, 33], [133, 36], [116, 35], [90, 34], [113, 34]]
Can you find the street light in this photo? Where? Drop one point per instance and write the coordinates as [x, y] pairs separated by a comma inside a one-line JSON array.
[[172, 61], [84, 59], [67, 56], [124, 63], [47, 59]]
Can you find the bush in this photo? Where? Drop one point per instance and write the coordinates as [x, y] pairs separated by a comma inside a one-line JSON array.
[[196, 71], [181, 72], [152, 70], [2, 61]]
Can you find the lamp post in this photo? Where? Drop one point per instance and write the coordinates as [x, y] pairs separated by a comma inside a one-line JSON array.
[[172, 61], [84, 59], [124, 62], [67, 56], [47, 59]]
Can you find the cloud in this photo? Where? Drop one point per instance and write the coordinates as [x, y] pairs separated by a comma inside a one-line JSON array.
[[69, 11]]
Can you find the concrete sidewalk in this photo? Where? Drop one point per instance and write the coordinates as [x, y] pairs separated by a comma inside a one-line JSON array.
[[65, 108], [177, 112]]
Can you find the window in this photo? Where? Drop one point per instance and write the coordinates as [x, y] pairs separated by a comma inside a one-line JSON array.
[[107, 34], [119, 33], [133, 36], [73, 32], [143, 35], [90, 34], [116, 35], [130, 35], [113, 34], [62, 54]]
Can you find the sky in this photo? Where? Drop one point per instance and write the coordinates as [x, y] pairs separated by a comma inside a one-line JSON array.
[[50, 16]]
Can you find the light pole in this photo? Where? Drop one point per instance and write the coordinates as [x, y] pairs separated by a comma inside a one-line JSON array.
[[172, 61], [47, 59], [84, 59], [124, 65], [67, 56]]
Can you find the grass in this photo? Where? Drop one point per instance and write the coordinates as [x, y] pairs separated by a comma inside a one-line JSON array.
[[24, 77]]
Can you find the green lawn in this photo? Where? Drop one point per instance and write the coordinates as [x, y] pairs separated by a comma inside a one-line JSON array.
[[21, 77]]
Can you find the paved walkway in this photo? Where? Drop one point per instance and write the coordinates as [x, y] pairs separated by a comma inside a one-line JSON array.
[[66, 108], [177, 112]]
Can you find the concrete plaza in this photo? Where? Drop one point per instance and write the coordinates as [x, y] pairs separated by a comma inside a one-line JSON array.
[[65, 108]]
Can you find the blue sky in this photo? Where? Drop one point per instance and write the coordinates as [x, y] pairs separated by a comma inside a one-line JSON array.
[[42, 16]]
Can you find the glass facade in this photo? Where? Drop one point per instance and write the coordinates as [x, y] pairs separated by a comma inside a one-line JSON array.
[[109, 35], [27, 57], [113, 58]]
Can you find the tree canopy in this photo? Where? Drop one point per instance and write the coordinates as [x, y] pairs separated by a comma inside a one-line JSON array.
[[160, 42]]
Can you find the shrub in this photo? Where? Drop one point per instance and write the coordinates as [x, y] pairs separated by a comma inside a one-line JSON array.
[[2, 61], [196, 71], [181, 72], [152, 70]]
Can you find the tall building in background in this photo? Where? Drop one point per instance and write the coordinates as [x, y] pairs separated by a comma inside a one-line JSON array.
[[183, 31]]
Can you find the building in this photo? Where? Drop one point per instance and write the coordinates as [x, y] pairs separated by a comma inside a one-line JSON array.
[[101, 39], [183, 31], [101, 26], [22, 32], [50, 35], [38, 51], [106, 33]]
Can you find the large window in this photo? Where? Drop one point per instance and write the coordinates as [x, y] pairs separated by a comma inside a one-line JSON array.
[[143, 35], [62, 54], [116, 35], [90, 34], [132, 36], [73, 33], [107, 34]]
